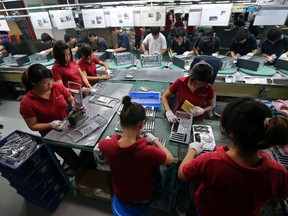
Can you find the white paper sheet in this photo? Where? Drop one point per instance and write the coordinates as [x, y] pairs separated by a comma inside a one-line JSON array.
[[195, 13], [40, 20], [107, 17], [271, 17], [4, 26], [93, 18], [137, 17], [121, 17], [63, 19], [216, 15], [153, 16]]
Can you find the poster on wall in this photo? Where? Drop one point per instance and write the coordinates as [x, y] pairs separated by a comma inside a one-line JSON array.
[[107, 17], [137, 16], [216, 15], [3, 25], [121, 17], [63, 19], [40, 20], [93, 18], [271, 17], [195, 13], [153, 16]]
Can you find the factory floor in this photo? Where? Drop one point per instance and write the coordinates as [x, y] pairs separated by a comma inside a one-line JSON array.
[[74, 204]]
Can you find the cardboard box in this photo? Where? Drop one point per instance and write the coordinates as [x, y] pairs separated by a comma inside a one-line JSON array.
[[94, 183]]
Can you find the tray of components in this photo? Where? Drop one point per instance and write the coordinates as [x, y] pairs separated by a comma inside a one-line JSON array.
[[123, 58], [204, 134], [148, 127], [97, 88], [181, 130], [151, 99], [104, 100], [150, 60], [150, 111], [89, 127], [131, 74]]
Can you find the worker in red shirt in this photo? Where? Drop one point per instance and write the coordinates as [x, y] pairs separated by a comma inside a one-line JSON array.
[[66, 69], [241, 179], [44, 107], [132, 159], [88, 62], [138, 36]]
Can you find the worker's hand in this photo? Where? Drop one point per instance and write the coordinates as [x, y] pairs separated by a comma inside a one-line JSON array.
[[108, 71], [57, 125], [250, 54], [104, 77], [110, 50], [83, 109], [197, 146], [186, 53], [150, 137], [171, 117], [43, 52], [146, 52], [197, 111], [215, 54], [283, 56], [173, 54]]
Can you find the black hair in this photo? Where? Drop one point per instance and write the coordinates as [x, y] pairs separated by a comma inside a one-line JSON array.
[[179, 33], [155, 30], [92, 34], [132, 113], [67, 37], [34, 74], [274, 34], [206, 45], [201, 71], [241, 34], [85, 50], [244, 119], [114, 28], [46, 37], [209, 32], [240, 17], [58, 52]]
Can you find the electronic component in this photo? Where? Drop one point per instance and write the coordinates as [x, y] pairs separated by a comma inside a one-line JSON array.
[[204, 134], [104, 100], [123, 58], [150, 60]]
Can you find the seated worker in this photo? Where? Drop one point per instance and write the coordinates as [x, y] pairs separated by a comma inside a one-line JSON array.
[[74, 43], [43, 107], [155, 41], [66, 69], [239, 22], [241, 179], [243, 44], [47, 39], [132, 160], [7, 48], [208, 32], [88, 62], [275, 46], [123, 44], [205, 51], [195, 88], [180, 44], [98, 41]]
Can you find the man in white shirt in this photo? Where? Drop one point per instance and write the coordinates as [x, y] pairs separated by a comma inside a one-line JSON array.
[[155, 42]]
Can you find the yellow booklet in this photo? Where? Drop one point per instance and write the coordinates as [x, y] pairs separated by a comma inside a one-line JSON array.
[[186, 106]]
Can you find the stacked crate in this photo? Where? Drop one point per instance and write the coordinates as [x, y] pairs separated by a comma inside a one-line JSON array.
[[26, 163]]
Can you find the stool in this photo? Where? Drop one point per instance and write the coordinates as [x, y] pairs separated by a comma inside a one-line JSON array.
[[120, 208]]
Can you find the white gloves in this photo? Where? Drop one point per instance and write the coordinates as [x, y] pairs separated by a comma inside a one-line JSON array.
[[170, 116], [250, 54], [57, 125], [146, 52], [150, 137], [283, 56], [83, 109], [197, 111], [108, 72], [174, 54], [110, 50], [197, 146], [186, 53], [43, 52], [215, 54]]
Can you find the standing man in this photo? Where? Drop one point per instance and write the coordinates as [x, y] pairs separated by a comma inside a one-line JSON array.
[[123, 39], [6, 48], [155, 42], [100, 42]]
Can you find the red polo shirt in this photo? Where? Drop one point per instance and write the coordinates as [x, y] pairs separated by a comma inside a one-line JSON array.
[[70, 72], [197, 98], [90, 68], [46, 110]]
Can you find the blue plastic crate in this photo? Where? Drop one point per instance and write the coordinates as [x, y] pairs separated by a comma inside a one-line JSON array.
[[146, 98], [25, 167]]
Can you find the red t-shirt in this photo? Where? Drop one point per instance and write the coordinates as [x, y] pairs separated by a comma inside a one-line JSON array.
[[228, 188], [138, 31], [67, 73], [197, 98], [190, 29], [131, 167], [90, 68], [46, 110]]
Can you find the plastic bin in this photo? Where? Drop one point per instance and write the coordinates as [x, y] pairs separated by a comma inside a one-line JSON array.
[[146, 98]]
